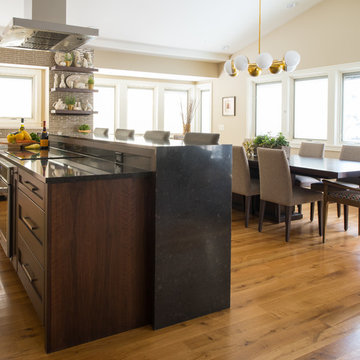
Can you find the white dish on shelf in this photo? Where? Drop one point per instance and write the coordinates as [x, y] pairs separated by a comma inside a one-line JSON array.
[[59, 58], [79, 81]]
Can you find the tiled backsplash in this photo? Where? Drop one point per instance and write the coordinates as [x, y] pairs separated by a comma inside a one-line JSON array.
[[57, 123]]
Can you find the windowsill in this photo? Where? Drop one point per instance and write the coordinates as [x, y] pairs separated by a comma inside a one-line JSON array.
[[296, 145]]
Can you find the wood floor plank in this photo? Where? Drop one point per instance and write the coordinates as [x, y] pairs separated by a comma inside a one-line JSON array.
[[296, 300]]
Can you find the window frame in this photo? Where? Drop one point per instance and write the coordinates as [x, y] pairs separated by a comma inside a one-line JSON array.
[[335, 102], [293, 92], [255, 102], [159, 87], [341, 124], [40, 97]]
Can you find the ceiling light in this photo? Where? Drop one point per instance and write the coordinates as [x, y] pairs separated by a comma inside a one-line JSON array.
[[264, 61]]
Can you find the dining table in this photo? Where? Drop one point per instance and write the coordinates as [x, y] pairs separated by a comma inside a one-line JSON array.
[[325, 168]]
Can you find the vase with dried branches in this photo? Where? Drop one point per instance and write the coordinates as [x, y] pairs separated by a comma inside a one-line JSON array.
[[187, 114]]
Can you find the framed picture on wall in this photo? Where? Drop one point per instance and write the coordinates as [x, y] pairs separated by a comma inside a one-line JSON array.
[[228, 106]]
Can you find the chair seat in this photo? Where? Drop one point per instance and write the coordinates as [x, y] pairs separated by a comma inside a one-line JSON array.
[[303, 196], [306, 181], [348, 195]]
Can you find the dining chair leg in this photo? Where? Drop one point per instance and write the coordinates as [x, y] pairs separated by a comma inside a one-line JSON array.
[[358, 221], [312, 209], [247, 210], [346, 217], [299, 209], [288, 213], [338, 210], [320, 216], [325, 215], [261, 214]]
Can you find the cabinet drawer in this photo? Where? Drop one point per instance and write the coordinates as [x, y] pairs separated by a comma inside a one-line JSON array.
[[30, 217], [36, 245], [31, 275], [32, 187]]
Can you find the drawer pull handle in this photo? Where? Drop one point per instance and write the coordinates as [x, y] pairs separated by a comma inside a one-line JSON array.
[[34, 187], [27, 272], [29, 223]]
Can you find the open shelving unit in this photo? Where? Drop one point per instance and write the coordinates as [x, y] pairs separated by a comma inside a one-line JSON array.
[[73, 90], [73, 112], [73, 69]]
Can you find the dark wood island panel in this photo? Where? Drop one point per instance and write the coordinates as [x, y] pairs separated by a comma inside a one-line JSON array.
[[99, 247]]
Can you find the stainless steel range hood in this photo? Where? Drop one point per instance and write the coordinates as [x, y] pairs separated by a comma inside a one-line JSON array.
[[37, 34]]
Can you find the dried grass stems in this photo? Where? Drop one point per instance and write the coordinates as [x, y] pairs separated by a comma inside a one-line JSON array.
[[188, 112]]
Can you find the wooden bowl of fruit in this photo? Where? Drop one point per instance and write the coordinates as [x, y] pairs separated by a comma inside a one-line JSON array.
[[20, 139]]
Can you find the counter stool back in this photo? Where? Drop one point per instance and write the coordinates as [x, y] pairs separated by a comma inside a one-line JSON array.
[[196, 138]]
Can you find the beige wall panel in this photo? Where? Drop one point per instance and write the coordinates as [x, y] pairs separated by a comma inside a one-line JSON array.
[[117, 60]]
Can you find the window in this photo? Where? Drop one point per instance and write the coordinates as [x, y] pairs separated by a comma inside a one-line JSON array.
[[311, 108], [16, 95], [22, 96], [174, 102], [205, 98], [104, 103], [268, 108], [351, 108], [140, 109]]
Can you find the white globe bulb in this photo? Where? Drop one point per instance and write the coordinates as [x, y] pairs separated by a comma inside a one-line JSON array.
[[241, 62], [292, 58], [290, 68], [229, 69], [264, 60]]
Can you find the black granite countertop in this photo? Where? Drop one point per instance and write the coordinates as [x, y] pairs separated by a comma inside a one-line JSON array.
[[74, 169]]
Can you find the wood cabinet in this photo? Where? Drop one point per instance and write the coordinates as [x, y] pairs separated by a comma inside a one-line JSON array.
[[84, 250]]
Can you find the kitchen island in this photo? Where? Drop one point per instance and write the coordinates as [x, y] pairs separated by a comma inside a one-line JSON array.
[[134, 233]]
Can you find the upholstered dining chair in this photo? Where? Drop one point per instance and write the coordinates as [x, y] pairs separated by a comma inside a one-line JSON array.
[[196, 138], [242, 184], [341, 193], [157, 135], [276, 187], [101, 132], [307, 149]]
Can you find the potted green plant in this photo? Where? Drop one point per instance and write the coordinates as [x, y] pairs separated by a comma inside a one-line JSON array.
[[85, 128], [91, 82], [68, 59], [267, 141], [70, 102]]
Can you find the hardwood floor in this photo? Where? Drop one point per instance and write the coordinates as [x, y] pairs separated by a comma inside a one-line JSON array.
[[296, 300]]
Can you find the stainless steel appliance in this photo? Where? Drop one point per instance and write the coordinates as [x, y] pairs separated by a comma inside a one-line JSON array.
[[6, 205]]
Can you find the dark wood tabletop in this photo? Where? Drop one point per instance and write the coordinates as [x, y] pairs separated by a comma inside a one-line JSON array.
[[322, 168]]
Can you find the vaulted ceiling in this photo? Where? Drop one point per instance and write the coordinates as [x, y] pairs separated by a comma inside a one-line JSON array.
[[197, 29]]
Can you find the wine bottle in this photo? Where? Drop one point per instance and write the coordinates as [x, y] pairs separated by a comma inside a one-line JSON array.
[[22, 126], [44, 138]]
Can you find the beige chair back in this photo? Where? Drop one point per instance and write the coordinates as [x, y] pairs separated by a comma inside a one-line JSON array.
[[157, 135], [101, 131], [275, 177], [315, 150], [195, 138], [350, 153], [124, 133], [241, 183]]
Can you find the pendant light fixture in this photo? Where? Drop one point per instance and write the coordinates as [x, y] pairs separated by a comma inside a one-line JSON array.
[[264, 61]]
